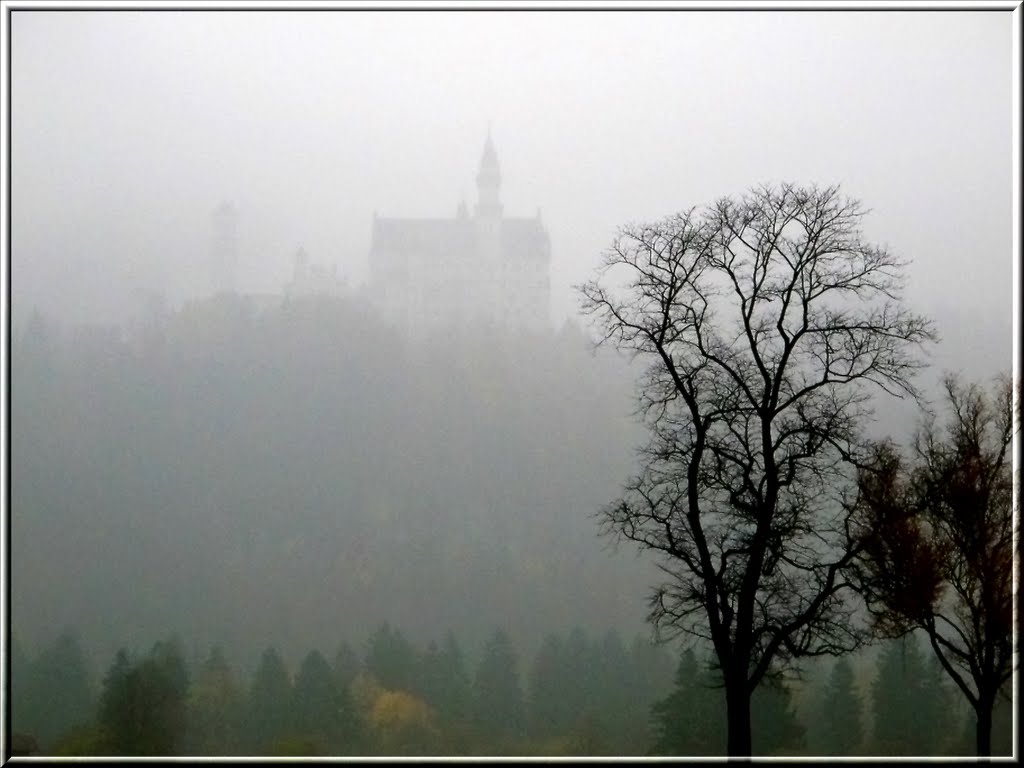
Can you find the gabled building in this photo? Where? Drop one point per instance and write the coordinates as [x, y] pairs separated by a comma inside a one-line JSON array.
[[472, 271]]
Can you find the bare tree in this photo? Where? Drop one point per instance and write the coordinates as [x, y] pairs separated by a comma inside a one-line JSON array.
[[939, 546], [766, 320]]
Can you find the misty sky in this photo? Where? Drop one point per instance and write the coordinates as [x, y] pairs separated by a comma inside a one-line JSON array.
[[128, 128]]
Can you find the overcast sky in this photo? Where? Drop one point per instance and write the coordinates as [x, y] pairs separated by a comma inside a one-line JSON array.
[[128, 128]]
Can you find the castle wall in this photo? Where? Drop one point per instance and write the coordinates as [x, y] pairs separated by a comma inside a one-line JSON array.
[[463, 273]]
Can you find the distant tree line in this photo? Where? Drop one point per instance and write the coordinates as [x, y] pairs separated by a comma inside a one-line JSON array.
[[388, 697], [580, 694]]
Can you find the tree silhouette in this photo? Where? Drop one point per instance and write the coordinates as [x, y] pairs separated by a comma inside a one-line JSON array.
[[773, 722], [548, 700], [614, 688], [940, 551], [499, 710], [142, 707], [912, 708], [215, 702], [443, 681], [391, 658], [767, 321], [268, 715], [53, 693], [580, 671], [689, 720], [840, 718], [320, 709], [651, 665]]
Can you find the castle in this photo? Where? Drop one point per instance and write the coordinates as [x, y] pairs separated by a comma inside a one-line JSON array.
[[483, 271], [464, 273]]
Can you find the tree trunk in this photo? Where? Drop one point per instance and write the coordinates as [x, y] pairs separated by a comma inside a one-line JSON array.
[[737, 701], [983, 726]]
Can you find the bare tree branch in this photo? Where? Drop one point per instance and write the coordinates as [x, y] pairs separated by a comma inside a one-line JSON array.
[[939, 553], [768, 322]]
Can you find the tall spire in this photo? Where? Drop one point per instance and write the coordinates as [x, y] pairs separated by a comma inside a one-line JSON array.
[[488, 180], [489, 173]]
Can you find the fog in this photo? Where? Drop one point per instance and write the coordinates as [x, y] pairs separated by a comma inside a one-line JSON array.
[[310, 122], [280, 456]]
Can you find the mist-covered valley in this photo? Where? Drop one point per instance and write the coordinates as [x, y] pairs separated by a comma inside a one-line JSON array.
[[241, 477], [311, 438], [292, 475]]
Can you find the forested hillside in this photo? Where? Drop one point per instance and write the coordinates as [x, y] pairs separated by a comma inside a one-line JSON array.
[[299, 473]]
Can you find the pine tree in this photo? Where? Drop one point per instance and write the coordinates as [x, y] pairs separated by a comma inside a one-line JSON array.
[[548, 698], [455, 698], [774, 726], [611, 694], [215, 702], [442, 681], [391, 659], [690, 721], [499, 711], [911, 703], [143, 706], [937, 708], [268, 715], [116, 713], [651, 675], [841, 728], [579, 674], [54, 694], [321, 710]]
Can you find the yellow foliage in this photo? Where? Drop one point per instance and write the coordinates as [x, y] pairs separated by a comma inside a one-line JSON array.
[[396, 710], [403, 724]]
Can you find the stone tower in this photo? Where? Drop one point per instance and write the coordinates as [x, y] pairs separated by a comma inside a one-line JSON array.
[[487, 271], [488, 183]]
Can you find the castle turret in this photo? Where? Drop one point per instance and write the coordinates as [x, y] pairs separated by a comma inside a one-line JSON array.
[[487, 271], [488, 183]]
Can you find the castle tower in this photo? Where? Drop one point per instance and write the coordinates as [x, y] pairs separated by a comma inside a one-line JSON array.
[[488, 269], [478, 270], [224, 248], [488, 183]]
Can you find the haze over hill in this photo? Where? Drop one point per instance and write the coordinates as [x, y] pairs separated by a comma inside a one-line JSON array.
[[295, 343]]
